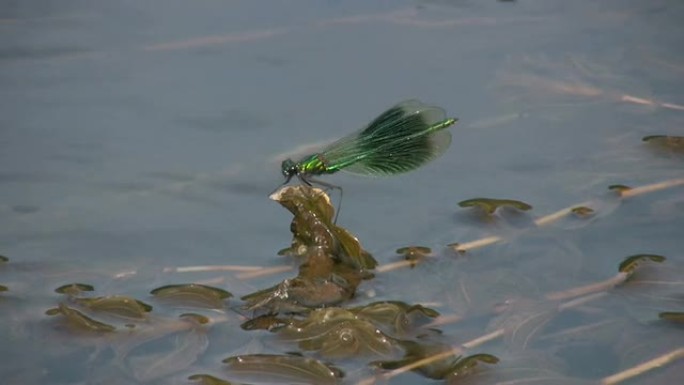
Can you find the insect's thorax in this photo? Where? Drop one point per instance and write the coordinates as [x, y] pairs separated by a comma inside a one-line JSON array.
[[315, 164]]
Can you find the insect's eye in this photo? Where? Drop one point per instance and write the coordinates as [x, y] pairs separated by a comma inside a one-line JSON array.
[[288, 167]]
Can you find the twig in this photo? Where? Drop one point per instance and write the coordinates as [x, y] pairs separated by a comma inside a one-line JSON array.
[[602, 286], [195, 269], [642, 368], [264, 271]]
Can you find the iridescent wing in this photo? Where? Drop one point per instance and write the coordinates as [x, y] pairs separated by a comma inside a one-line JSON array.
[[401, 139]]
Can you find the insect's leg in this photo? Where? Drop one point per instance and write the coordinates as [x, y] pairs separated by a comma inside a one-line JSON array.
[[304, 180], [327, 186], [281, 185], [277, 188]]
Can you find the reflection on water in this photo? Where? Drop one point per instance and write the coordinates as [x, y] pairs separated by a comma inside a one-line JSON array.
[[138, 148]]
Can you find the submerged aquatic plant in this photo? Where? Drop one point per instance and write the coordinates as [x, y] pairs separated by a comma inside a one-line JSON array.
[[313, 228], [334, 262]]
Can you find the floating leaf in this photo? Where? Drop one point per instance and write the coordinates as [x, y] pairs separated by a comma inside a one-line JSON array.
[[196, 318], [74, 288], [336, 332], [121, 306], [353, 253], [414, 250], [631, 263], [466, 365], [619, 188], [376, 310], [439, 364], [299, 294], [672, 143], [335, 261], [582, 211], [303, 200], [79, 320], [489, 205], [395, 316], [313, 228], [193, 294], [672, 316], [205, 379], [414, 253], [269, 322], [535, 367], [349, 338], [286, 369], [455, 246], [436, 369], [275, 299]]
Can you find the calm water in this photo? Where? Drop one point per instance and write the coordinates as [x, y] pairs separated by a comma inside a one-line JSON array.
[[138, 135]]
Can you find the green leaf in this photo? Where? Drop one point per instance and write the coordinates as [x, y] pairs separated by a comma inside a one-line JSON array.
[[631, 263], [199, 319], [466, 365], [193, 294], [336, 332], [74, 288], [299, 294], [668, 142], [417, 351], [619, 188], [79, 320], [205, 379], [121, 306], [313, 230], [270, 322], [283, 369], [414, 253], [395, 316], [490, 205], [353, 253], [582, 211], [672, 316]]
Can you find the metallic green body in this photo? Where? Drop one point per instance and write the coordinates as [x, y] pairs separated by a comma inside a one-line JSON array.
[[315, 165]]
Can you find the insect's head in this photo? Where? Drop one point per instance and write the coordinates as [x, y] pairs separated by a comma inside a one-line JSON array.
[[289, 169]]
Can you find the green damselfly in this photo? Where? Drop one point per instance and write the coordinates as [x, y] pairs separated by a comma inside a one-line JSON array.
[[401, 139]]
